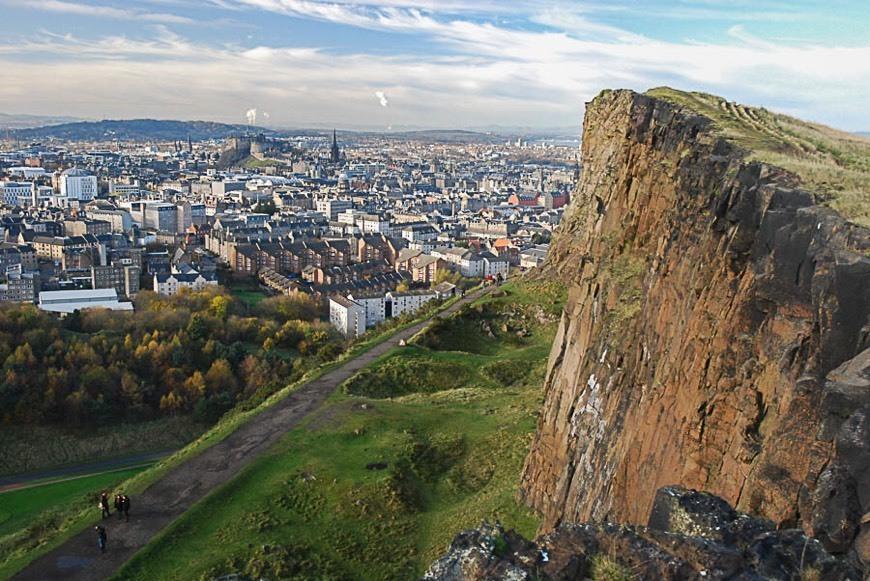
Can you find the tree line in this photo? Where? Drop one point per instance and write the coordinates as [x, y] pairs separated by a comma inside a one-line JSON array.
[[193, 353]]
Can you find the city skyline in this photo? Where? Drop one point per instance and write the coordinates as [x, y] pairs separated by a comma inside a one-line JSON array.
[[419, 63]]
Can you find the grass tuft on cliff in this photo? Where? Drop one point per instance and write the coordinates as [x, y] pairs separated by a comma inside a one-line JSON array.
[[833, 164]]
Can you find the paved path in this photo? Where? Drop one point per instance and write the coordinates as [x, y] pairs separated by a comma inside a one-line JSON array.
[[156, 508], [95, 468]]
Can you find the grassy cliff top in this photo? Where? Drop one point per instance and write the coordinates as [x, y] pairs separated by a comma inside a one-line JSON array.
[[833, 164]]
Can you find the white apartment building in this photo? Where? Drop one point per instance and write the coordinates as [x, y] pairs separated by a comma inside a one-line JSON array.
[[331, 208], [12, 192], [119, 220], [348, 316], [373, 224], [170, 284], [494, 265], [374, 305], [77, 185], [409, 301], [122, 189]]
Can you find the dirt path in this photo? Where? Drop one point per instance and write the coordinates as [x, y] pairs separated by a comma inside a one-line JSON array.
[[165, 500]]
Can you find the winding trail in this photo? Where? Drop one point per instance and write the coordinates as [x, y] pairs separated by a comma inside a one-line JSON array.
[[163, 502]]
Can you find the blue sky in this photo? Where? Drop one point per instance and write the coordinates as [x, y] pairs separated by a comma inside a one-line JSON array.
[[438, 63]]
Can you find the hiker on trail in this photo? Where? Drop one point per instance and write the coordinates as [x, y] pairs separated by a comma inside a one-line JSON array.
[[118, 505], [101, 538], [104, 504], [125, 506]]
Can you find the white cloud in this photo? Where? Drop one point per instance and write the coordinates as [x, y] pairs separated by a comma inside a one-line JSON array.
[[101, 11], [490, 74]]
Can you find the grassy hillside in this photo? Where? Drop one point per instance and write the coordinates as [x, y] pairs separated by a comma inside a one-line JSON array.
[[833, 164], [374, 486], [20, 508]]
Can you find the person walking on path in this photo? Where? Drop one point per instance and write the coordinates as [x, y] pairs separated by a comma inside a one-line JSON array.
[[118, 505], [125, 507], [101, 537], [104, 504]]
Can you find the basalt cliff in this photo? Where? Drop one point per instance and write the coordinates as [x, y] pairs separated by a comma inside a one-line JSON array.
[[716, 336]]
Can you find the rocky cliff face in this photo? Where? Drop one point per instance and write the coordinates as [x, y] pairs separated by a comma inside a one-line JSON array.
[[716, 336]]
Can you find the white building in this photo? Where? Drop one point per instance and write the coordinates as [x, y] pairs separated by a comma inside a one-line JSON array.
[[419, 233], [373, 224], [332, 207], [12, 192], [40, 196], [27, 173], [532, 257], [465, 261], [170, 284], [409, 301], [494, 265], [374, 305], [121, 189], [67, 301], [119, 220], [77, 185], [348, 316]]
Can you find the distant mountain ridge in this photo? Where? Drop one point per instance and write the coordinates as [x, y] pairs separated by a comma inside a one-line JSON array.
[[172, 130], [19, 121], [142, 130]]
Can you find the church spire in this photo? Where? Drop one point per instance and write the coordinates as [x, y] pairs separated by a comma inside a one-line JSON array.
[[335, 153]]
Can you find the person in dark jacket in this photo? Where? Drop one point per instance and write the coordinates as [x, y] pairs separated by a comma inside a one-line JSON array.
[[101, 537], [104, 504], [118, 505], [125, 506]]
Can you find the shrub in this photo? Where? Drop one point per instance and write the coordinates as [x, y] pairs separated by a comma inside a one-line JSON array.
[[398, 377]]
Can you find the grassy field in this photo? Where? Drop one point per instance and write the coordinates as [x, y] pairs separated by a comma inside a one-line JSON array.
[[375, 487], [18, 508], [833, 164], [32, 448], [250, 297]]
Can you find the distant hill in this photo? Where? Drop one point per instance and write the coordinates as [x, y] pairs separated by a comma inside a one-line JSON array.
[[140, 130], [26, 121], [168, 130]]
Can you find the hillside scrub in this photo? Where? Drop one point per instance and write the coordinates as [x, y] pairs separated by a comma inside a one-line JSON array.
[[192, 354]]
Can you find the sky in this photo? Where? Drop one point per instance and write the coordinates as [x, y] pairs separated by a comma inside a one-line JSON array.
[[392, 64]]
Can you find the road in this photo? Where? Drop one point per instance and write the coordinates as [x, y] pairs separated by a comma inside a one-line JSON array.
[[163, 502]]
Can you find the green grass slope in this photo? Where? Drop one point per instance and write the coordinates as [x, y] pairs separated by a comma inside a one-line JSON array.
[[375, 486], [833, 164], [19, 508]]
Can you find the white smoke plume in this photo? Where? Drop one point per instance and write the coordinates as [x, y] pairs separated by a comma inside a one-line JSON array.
[[383, 98], [252, 116]]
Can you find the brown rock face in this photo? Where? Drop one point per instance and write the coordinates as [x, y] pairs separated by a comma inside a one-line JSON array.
[[709, 302]]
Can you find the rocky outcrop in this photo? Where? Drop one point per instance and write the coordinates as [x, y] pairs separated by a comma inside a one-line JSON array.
[[716, 336], [690, 535]]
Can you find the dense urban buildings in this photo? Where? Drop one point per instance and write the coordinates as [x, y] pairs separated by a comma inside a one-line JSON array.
[[367, 224]]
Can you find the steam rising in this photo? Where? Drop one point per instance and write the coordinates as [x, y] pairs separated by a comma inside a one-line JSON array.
[[382, 97], [252, 116]]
